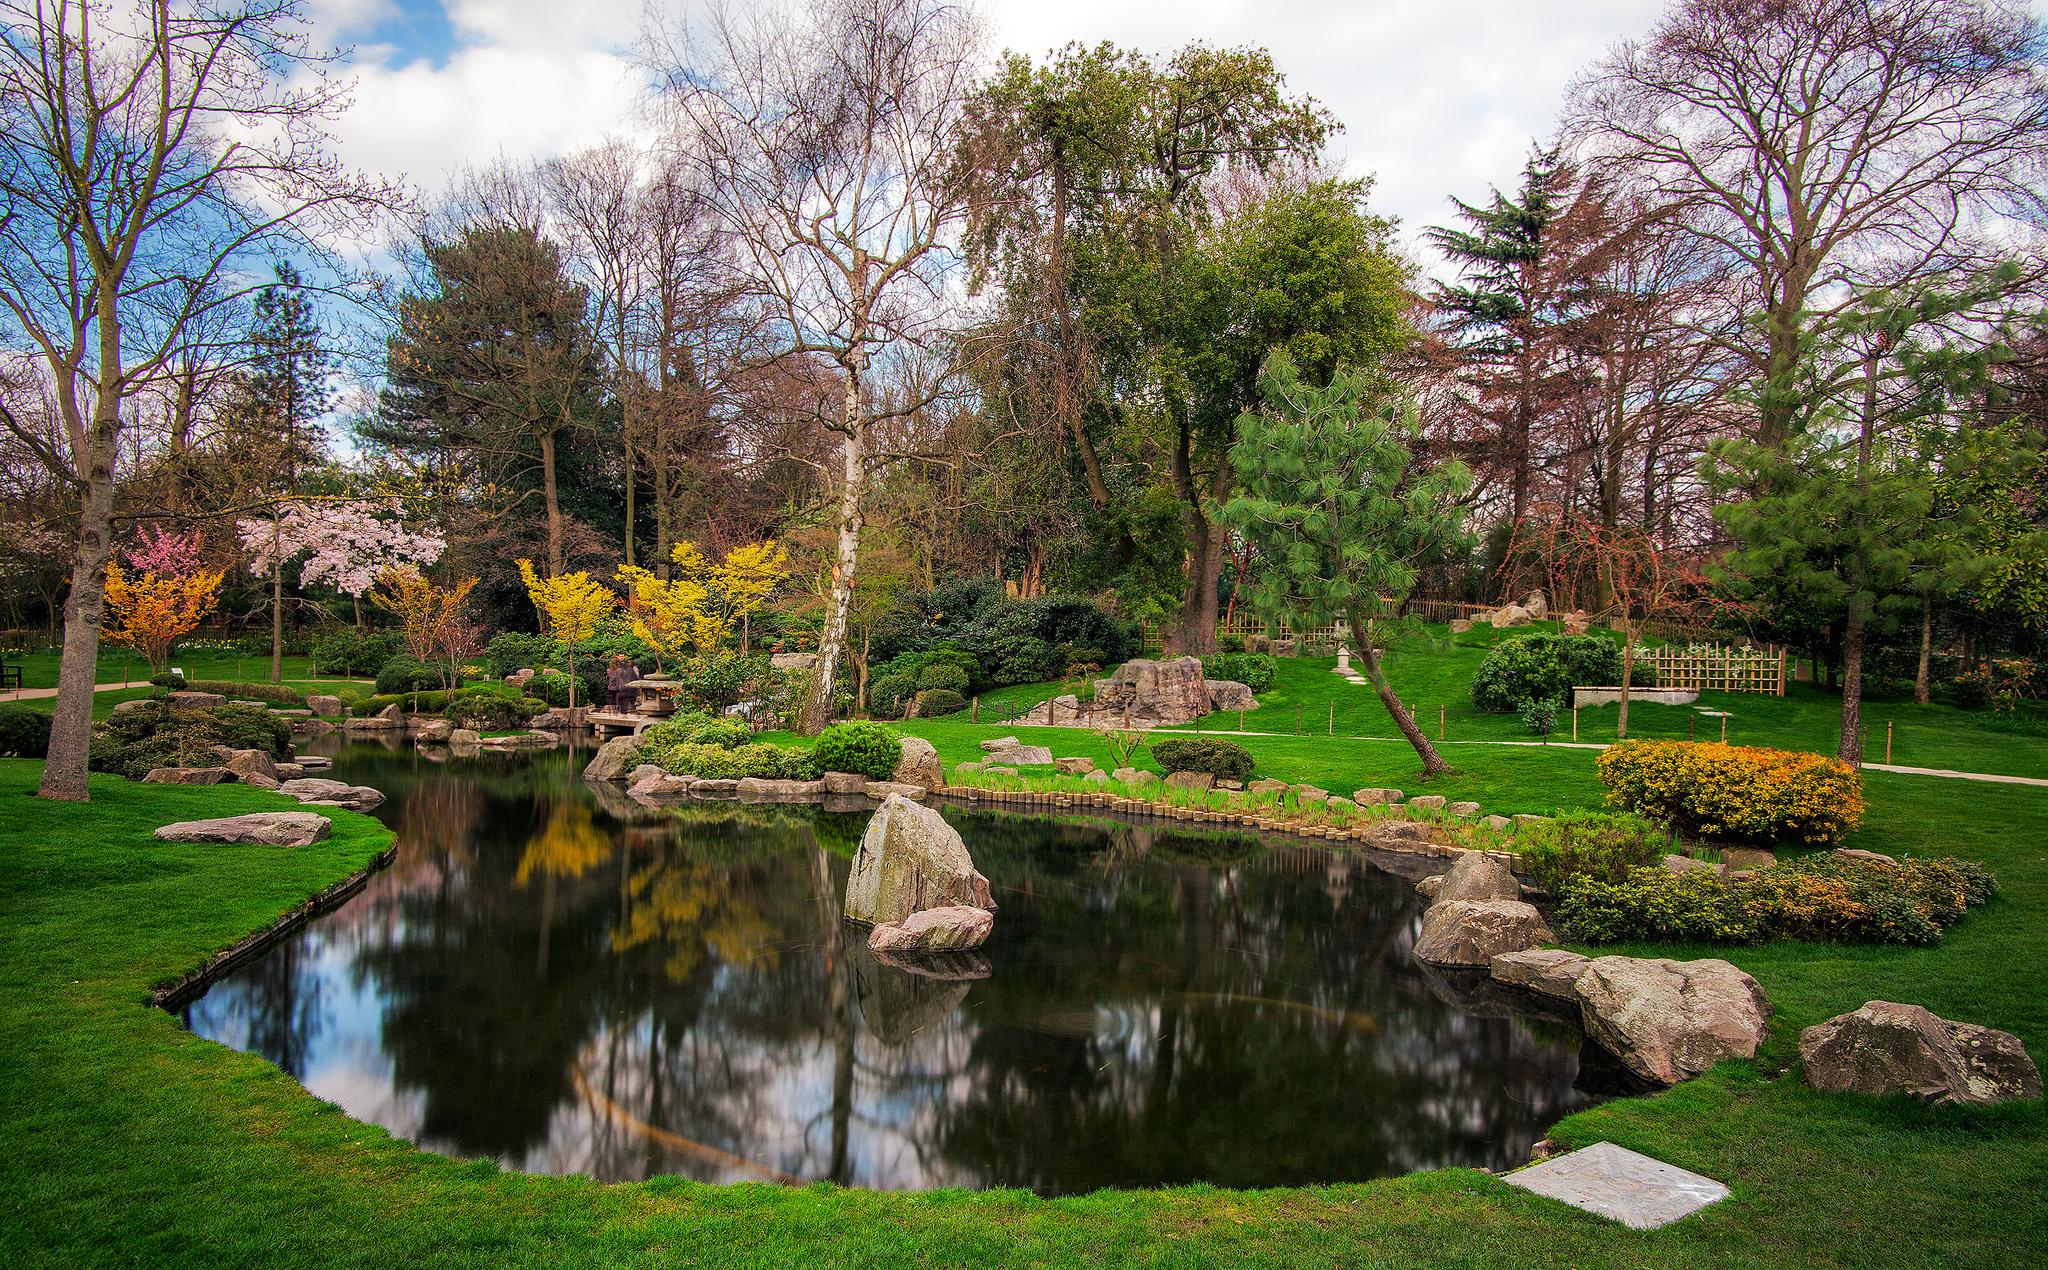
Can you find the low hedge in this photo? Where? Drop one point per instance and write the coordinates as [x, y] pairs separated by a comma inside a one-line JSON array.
[[1734, 791], [491, 709], [412, 702], [24, 732], [715, 762], [867, 748], [1225, 760], [132, 742], [1826, 898], [274, 694]]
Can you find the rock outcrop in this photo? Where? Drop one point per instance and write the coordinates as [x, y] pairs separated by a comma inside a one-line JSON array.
[[1228, 694], [1550, 972], [1022, 756], [613, 759], [269, 828], [327, 793], [1670, 1020], [325, 706], [1890, 1048], [1476, 876], [910, 860], [186, 776], [950, 928]]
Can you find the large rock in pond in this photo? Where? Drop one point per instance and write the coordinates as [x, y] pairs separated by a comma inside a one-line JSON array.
[[270, 828], [918, 764], [326, 707], [1890, 1048], [1476, 876], [1472, 932], [327, 793], [765, 789], [909, 860], [1669, 1020], [1153, 693], [613, 760], [952, 928]]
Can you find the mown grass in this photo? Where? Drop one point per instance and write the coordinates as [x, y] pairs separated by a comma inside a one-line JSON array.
[[129, 1141], [123, 665]]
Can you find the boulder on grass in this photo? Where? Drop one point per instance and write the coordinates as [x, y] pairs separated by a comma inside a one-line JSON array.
[[326, 707], [950, 928], [1191, 780], [1074, 766], [196, 700], [1022, 756], [910, 860], [918, 763], [247, 763], [1476, 876], [269, 828], [1000, 743], [1472, 932], [846, 782], [613, 759], [1228, 694], [1134, 776], [1669, 1020], [186, 776], [1889, 1048]]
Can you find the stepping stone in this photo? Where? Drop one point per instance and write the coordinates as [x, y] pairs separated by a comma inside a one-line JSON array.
[[1621, 1185]]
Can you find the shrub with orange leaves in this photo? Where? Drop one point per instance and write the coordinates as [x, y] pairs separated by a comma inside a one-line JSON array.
[[1735, 791], [148, 611]]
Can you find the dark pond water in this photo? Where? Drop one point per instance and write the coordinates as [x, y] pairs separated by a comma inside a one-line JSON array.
[[554, 978]]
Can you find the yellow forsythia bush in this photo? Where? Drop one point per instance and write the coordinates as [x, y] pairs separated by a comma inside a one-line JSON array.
[[1735, 791]]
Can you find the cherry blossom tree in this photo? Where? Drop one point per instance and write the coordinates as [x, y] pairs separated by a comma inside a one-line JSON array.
[[347, 545]]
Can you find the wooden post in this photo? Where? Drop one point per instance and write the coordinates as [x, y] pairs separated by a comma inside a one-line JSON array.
[[1724, 729], [1297, 718], [1690, 721], [1575, 724], [1887, 742], [974, 715], [1333, 718], [1440, 723], [1240, 718]]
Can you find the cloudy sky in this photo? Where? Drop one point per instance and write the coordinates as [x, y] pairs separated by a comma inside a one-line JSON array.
[[1435, 98]]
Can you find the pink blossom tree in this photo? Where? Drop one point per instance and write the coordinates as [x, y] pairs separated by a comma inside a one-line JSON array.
[[164, 552], [346, 544]]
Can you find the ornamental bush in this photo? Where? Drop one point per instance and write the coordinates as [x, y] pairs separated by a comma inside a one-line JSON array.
[[933, 702], [868, 748], [1594, 845], [519, 650], [275, 694], [1655, 904], [697, 728], [349, 651], [1254, 670], [24, 733], [408, 674], [715, 762], [411, 702], [491, 708], [1225, 760], [1543, 668], [132, 743], [943, 676], [1734, 791]]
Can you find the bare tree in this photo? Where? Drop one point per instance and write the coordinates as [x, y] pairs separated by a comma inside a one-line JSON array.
[[826, 135], [1823, 141], [150, 154]]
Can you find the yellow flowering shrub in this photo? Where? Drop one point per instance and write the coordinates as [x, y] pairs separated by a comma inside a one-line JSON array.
[[1735, 791]]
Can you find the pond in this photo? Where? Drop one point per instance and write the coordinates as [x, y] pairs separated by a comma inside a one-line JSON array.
[[557, 979]]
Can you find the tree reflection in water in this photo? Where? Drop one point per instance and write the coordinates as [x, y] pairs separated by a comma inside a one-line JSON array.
[[565, 981]]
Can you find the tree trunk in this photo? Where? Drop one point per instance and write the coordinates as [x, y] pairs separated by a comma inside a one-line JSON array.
[[1206, 549], [276, 596], [1628, 677], [1926, 649], [64, 770], [853, 478], [1432, 762], [550, 495], [1849, 747]]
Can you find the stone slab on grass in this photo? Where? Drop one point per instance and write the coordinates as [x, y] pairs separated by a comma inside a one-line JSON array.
[[1621, 1185]]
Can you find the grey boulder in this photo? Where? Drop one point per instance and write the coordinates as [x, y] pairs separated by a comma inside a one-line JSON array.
[[1889, 1048], [918, 764], [613, 759], [1476, 876], [270, 828], [909, 860], [316, 789], [950, 928], [1550, 972], [1670, 1020], [1472, 932]]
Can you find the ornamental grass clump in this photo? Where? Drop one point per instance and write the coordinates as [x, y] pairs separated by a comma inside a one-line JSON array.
[[1734, 791]]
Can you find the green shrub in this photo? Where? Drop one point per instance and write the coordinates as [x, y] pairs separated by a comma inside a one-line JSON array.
[[1541, 716], [349, 651], [868, 748], [1655, 904], [405, 674], [890, 694], [491, 709], [520, 650], [135, 741], [1225, 760], [713, 681], [696, 728], [275, 694], [1230, 643], [1735, 791], [1543, 668], [713, 762], [1254, 670], [1587, 844], [170, 681], [24, 732], [933, 702], [943, 676]]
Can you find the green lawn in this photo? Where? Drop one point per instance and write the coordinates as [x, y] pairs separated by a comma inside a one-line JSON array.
[[129, 1141], [122, 665]]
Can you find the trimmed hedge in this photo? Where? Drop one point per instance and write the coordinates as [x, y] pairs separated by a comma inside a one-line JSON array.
[[715, 762], [1225, 760], [491, 709], [1254, 670], [274, 694], [1530, 668], [131, 743], [933, 702], [411, 702], [867, 748], [1734, 791]]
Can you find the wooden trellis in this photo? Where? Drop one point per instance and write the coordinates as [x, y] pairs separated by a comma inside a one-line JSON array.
[[1715, 668]]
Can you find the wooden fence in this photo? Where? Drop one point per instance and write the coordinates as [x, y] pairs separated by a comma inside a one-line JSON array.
[[1716, 668]]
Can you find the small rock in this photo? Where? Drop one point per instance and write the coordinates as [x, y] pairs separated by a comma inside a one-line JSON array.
[[887, 789], [769, 789], [1464, 811], [610, 763], [247, 763], [465, 736], [1022, 756], [644, 771], [1429, 887], [996, 769], [1342, 804], [290, 771], [1524, 820], [1228, 694], [1686, 864], [966, 769], [1426, 802], [661, 787], [1074, 766], [1191, 780], [1134, 776], [950, 928], [1311, 795], [1096, 777], [325, 706], [196, 700], [1864, 857], [720, 788], [1376, 797], [1000, 743], [1735, 860], [1268, 787], [313, 789], [1499, 824]]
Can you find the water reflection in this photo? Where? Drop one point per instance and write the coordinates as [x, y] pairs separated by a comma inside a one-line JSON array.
[[567, 982]]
